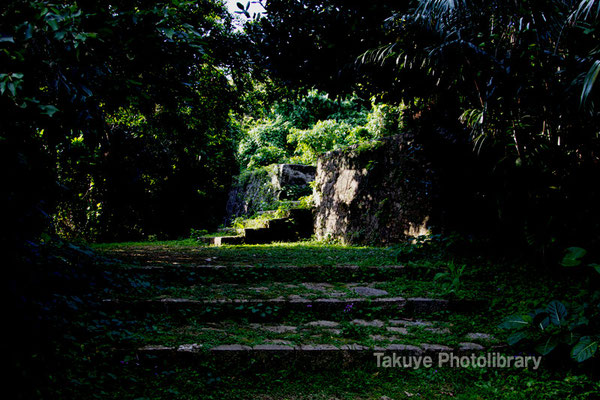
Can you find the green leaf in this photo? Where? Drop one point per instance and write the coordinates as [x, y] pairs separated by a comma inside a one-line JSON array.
[[169, 32], [440, 275], [87, 91], [585, 349], [53, 24], [514, 322], [557, 312], [577, 252], [12, 88], [81, 37], [543, 324], [595, 266], [568, 262], [240, 6], [547, 346], [48, 110], [517, 337], [573, 257], [28, 31], [9, 39], [570, 338]]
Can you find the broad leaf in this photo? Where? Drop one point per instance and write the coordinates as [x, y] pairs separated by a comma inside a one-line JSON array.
[[48, 110], [547, 346], [517, 337], [573, 257], [515, 322], [540, 318], [595, 266], [557, 312], [585, 349]]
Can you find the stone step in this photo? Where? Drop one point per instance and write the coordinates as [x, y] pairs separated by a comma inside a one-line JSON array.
[[284, 273], [292, 332], [324, 343], [276, 291], [311, 356], [274, 309], [276, 230], [298, 224], [226, 240], [260, 235]]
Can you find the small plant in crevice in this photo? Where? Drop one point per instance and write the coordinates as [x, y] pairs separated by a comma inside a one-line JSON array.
[[354, 331], [306, 202]]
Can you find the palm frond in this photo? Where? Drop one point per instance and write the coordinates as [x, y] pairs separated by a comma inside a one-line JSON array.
[[431, 8], [588, 82], [586, 9], [377, 55]]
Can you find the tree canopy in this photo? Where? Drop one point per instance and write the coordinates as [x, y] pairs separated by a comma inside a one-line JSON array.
[[128, 119], [128, 105]]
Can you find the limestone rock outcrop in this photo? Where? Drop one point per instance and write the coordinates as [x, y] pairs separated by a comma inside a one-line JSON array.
[[375, 193], [256, 190]]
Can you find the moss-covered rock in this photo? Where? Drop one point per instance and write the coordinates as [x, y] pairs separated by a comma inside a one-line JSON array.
[[261, 189]]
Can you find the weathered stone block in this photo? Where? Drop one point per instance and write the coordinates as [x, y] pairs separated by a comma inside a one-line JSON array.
[[291, 181], [254, 190], [378, 193]]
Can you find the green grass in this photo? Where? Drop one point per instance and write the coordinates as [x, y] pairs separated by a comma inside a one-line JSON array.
[[163, 381], [88, 337], [169, 330], [298, 253], [271, 290], [182, 243]]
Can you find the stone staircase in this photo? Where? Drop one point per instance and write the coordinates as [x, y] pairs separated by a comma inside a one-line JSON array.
[[298, 224], [266, 317]]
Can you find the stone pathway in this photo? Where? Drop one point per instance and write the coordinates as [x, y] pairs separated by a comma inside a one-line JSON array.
[[269, 317]]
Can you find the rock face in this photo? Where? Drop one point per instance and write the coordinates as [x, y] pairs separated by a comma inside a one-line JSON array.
[[291, 181], [255, 190], [376, 193]]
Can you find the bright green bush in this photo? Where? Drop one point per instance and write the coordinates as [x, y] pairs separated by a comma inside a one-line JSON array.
[[266, 156], [324, 136], [263, 143], [298, 131]]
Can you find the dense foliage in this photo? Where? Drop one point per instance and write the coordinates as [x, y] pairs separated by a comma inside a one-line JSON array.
[[126, 106], [512, 81], [128, 120], [297, 131]]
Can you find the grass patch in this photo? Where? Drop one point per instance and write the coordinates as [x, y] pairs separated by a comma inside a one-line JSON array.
[[84, 337], [305, 253]]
